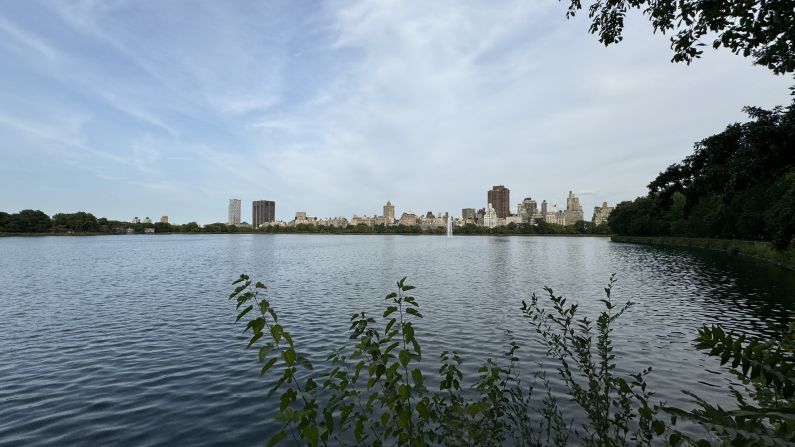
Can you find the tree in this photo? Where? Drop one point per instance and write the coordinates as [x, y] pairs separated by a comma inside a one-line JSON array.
[[79, 222], [5, 218], [191, 227], [762, 29], [28, 221]]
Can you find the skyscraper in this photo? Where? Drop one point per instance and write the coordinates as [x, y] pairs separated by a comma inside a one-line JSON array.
[[389, 213], [263, 211], [234, 212], [468, 213], [574, 212], [499, 198], [528, 207]]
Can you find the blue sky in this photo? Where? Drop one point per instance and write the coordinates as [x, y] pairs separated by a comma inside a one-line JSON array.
[[133, 108]]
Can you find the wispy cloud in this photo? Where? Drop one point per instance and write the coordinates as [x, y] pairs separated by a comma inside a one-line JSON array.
[[29, 40], [334, 108]]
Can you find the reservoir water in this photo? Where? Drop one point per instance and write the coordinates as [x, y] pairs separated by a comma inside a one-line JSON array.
[[130, 340]]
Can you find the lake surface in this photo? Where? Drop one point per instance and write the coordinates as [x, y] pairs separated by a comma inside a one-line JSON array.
[[131, 340]]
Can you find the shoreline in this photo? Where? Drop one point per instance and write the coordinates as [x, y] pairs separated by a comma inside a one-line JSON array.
[[35, 235], [762, 251]]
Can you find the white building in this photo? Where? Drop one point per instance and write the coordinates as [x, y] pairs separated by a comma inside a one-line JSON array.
[[490, 217]]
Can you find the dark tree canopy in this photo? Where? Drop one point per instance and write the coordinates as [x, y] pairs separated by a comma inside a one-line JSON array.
[[762, 29], [739, 183]]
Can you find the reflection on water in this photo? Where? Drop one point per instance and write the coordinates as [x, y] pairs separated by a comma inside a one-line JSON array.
[[129, 340]]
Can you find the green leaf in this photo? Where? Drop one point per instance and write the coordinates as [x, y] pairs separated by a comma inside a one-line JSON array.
[[389, 325], [289, 356], [416, 345], [404, 391], [416, 374], [329, 420], [390, 348], [405, 356], [311, 432], [267, 366], [264, 350], [239, 280], [303, 361], [276, 332], [259, 285], [254, 339], [659, 427], [244, 312], [275, 439]]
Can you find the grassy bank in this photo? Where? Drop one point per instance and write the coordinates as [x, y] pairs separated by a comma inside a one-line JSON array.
[[757, 250]]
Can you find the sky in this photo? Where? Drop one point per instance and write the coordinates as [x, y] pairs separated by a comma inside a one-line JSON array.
[[134, 108]]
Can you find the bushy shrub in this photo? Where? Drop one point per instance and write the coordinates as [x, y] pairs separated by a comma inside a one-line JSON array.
[[373, 391]]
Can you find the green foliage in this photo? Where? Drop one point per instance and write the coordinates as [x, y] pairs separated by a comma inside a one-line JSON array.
[[738, 184], [768, 367], [25, 221], [374, 391], [618, 409], [579, 228], [79, 222], [762, 29]]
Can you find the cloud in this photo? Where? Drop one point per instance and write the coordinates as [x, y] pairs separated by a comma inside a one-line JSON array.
[[334, 108], [28, 39]]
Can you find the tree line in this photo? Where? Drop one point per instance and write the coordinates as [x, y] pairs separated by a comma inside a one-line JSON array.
[[37, 222], [540, 227], [738, 184]]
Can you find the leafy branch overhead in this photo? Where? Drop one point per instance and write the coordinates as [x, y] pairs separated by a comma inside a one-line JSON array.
[[761, 29]]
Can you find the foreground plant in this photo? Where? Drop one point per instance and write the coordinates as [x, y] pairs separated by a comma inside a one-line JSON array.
[[373, 391], [767, 370]]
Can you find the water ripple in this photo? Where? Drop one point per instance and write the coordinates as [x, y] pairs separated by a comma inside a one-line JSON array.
[[129, 340]]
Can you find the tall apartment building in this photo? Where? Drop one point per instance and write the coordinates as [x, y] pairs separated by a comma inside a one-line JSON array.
[[601, 213], [263, 211], [389, 213], [468, 213], [164, 219], [527, 209], [574, 212], [234, 212], [499, 198]]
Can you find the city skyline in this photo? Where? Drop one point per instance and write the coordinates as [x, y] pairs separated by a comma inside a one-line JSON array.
[[527, 211], [120, 106]]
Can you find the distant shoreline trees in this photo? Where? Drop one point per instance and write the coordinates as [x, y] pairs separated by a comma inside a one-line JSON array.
[[35, 222]]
